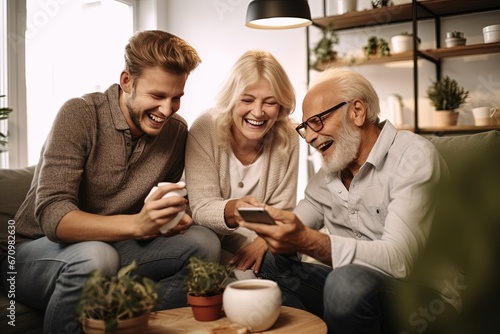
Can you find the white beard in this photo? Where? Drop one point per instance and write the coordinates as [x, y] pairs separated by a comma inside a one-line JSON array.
[[345, 150]]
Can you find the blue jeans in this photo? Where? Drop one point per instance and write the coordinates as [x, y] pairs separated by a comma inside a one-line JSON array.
[[356, 299], [50, 276]]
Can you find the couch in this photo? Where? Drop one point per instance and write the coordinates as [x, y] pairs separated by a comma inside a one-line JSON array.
[[473, 160]]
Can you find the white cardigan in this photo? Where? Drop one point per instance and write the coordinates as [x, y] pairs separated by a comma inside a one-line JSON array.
[[208, 180]]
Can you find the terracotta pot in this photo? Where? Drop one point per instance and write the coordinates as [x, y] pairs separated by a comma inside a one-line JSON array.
[[206, 308], [445, 117], [128, 326]]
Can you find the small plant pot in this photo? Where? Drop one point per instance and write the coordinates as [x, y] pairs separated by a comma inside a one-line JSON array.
[[445, 117], [491, 34], [128, 326], [206, 308], [453, 41], [402, 43]]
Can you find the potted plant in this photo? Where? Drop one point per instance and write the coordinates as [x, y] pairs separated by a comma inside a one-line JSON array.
[[376, 47], [381, 3], [4, 114], [403, 42], [205, 283], [454, 38], [446, 96], [118, 303], [323, 50]]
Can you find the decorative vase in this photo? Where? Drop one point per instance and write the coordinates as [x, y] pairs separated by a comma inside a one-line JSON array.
[[446, 117], [253, 302], [402, 43], [454, 38], [206, 308], [128, 326]]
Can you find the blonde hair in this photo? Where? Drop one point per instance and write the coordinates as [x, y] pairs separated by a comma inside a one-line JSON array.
[[350, 85], [156, 48], [251, 67]]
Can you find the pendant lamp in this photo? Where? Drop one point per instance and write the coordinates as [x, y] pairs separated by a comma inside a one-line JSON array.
[[278, 14]]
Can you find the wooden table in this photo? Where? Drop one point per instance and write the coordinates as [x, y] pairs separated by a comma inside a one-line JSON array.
[[180, 320]]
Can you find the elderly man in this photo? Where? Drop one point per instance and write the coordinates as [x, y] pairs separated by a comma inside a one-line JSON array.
[[373, 195]]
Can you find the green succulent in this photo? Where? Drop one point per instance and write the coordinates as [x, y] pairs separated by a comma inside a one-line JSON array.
[[206, 278], [446, 94], [119, 297], [323, 50]]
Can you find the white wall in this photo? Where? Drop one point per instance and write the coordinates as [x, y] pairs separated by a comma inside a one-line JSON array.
[[216, 29]]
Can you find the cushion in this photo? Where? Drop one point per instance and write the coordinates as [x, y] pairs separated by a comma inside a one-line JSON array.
[[15, 184]]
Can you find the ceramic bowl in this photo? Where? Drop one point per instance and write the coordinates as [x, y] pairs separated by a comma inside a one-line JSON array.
[[252, 302], [454, 41], [401, 43], [491, 33]]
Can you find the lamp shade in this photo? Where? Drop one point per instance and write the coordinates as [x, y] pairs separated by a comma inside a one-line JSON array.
[[278, 14]]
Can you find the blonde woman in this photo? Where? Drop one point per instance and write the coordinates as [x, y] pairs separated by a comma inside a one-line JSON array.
[[242, 153]]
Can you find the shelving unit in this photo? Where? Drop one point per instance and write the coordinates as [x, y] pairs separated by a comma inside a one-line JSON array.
[[413, 13]]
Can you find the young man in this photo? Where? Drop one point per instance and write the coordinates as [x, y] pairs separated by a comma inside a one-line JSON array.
[[86, 210], [373, 195]]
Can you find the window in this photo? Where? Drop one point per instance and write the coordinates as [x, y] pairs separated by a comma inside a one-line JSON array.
[[72, 48]]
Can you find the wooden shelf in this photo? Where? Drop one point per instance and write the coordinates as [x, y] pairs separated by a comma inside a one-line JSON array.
[[412, 13], [457, 51], [465, 50], [403, 13], [455, 129]]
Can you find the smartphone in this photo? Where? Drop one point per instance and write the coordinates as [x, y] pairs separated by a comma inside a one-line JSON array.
[[256, 215]]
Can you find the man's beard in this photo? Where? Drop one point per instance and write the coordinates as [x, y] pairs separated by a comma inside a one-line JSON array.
[[346, 148]]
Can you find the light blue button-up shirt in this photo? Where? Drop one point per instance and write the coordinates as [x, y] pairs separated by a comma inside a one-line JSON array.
[[384, 219]]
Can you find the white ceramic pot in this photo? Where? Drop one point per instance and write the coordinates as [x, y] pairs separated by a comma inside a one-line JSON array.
[[339, 7], [484, 115], [454, 41], [491, 33], [252, 302], [401, 43]]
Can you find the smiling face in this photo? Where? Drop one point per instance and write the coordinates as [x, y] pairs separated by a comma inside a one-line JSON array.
[[148, 101], [255, 112], [339, 139]]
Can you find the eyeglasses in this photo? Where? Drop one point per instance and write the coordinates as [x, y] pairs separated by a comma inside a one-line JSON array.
[[315, 122]]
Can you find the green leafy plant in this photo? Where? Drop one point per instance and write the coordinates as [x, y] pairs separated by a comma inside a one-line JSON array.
[[446, 94], [206, 278], [376, 47], [455, 34], [323, 51], [119, 297], [4, 114], [4, 111], [381, 3]]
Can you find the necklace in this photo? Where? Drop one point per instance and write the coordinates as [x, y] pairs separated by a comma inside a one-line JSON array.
[[241, 184]]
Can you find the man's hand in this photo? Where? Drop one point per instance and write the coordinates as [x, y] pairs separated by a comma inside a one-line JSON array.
[[250, 257], [158, 211], [290, 235], [78, 225]]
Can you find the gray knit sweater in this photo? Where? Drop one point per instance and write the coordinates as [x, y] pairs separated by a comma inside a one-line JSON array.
[[89, 163], [208, 180]]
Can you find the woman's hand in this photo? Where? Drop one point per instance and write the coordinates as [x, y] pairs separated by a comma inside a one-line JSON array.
[[251, 256], [231, 210]]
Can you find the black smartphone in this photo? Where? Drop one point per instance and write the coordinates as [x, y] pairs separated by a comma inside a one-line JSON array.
[[256, 215]]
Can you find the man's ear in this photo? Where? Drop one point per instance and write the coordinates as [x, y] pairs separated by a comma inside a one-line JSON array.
[[126, 81], [359, 112]]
